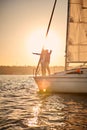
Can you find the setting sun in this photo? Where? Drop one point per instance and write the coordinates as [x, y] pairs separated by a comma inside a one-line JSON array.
[[37, 40]]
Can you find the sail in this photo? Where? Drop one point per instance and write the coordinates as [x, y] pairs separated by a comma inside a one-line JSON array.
[[77, 32]]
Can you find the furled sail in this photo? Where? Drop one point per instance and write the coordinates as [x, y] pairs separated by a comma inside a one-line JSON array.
[[77, 32]]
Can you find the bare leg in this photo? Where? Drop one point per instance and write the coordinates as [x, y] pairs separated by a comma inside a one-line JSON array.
[[43, 69], [48, 69]]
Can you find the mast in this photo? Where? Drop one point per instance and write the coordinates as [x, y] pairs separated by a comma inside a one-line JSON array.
[[67, 31], [51, 17]]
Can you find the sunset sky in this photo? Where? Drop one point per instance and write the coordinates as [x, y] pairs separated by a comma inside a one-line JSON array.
[[23, 25]]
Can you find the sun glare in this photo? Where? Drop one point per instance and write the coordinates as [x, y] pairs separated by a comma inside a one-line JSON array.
[[37, 40]]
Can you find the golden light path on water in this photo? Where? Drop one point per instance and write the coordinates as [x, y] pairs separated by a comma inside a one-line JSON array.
[[34, 120], [39, 112]]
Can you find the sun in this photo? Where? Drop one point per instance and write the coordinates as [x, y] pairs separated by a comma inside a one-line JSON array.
[[37, 40]]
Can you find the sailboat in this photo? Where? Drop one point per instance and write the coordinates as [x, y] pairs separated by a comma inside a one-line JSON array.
[[71, 80]]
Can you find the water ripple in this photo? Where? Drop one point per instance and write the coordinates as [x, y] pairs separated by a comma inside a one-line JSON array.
[[23, 108]]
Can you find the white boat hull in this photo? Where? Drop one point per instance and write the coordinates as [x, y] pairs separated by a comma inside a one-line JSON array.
[[63, 82]]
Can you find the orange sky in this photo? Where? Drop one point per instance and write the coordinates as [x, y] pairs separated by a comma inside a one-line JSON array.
[[23, 25]]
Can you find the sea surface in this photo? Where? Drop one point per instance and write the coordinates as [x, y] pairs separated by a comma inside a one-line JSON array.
[[22, 107]]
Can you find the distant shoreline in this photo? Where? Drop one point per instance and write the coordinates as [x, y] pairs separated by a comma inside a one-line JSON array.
[[25, 70]]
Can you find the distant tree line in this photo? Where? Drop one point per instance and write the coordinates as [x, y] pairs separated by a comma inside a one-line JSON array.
[[24, 70], [17, 70]]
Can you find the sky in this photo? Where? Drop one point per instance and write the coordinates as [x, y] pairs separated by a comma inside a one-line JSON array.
[[23, 26]]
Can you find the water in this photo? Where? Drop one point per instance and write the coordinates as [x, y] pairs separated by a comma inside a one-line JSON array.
[[22, 107]]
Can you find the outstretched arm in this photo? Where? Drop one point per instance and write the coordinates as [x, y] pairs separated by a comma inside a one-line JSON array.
[[36, 53]]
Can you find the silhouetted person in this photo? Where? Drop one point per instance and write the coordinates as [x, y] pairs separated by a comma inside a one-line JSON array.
[[44, 61], [47, 60], [43, 66]]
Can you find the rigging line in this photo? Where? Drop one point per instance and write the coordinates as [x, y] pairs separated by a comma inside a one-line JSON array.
[[51, 17]]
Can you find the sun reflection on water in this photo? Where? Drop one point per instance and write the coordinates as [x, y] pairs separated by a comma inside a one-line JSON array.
[[33, 121]]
